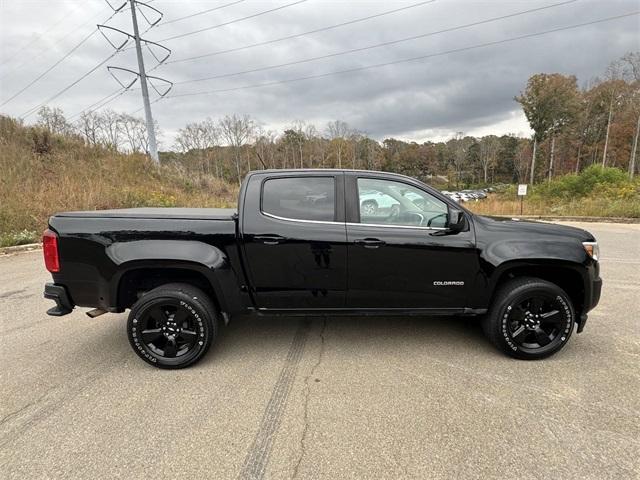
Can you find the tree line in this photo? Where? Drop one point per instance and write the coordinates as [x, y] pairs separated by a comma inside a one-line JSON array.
[[574, 127]]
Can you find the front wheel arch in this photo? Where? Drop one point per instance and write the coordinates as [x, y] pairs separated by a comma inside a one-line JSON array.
[[567, 276]]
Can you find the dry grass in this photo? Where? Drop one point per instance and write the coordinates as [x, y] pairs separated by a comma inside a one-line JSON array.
[[585, 207], [71, 176]]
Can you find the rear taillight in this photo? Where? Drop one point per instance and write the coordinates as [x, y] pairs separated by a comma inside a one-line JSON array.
[[50, 249]]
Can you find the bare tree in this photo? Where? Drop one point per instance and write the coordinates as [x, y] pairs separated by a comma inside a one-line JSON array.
[[458, 150], [134, 133], [198, 136], [110, 128], [521, 160], [489, 148], [53, 120], [299, 127], [236, 131], [338, 132], [88, 126], [265, 146]]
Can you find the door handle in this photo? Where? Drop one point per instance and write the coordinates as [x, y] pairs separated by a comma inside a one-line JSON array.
[[269, 239], [370, 242]]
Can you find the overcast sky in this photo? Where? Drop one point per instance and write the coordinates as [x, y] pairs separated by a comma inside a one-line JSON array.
[[431, 98]]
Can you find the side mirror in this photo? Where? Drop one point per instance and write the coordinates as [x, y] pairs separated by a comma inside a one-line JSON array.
[[456, 220]]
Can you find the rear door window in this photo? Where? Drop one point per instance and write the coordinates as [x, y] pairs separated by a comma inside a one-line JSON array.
[[300, 198]]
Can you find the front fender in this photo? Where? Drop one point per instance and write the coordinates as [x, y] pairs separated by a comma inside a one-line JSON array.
[[506, 255], [534, 249]]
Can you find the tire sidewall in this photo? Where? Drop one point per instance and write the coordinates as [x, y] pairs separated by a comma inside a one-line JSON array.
[[516, 296], [193, 305]]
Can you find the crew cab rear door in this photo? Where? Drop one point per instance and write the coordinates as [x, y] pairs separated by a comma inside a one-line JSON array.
[[400, 255], [294, 239]]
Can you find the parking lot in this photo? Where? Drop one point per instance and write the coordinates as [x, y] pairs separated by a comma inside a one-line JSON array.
[[321, 397]]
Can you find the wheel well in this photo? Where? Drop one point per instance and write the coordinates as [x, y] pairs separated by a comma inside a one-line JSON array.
[[566, 278], [136, 282]]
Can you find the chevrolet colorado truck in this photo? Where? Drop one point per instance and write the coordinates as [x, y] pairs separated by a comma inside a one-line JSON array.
[[305, 242]]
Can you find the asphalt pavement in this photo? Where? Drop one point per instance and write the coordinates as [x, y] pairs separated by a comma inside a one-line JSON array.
[[330, 398]]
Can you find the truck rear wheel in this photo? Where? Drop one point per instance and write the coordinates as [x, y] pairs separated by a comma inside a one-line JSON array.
[[172, 326], [530, 318]]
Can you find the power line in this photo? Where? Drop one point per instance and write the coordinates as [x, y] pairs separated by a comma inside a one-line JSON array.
[[71, 31], [378, 45], [63, 58], [182, 35], [395, 62], [100, 103], [32, 110], [34, 40], [297, 35], [201, 13]]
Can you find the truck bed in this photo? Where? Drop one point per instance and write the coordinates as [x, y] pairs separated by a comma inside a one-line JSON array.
[[168, 213]]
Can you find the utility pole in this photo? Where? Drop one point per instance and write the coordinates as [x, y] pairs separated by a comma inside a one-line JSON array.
[[153, 146], [533, 159], [632, 160]]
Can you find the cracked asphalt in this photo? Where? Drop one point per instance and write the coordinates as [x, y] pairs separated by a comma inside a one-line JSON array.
[[326, 398]]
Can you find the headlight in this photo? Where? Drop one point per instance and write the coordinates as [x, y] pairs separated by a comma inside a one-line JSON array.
[[592, 249]]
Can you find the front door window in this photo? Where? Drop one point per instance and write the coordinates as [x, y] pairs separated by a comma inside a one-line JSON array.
[[386, 202]]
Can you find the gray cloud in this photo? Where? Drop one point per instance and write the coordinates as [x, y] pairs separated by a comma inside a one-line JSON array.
[[425, 99]]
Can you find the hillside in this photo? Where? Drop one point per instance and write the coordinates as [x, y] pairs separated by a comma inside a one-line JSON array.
[[43, 173]]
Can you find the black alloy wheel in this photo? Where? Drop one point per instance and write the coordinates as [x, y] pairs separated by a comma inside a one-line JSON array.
[[172, 326], [169, 330], [530, 318], [538, 322]]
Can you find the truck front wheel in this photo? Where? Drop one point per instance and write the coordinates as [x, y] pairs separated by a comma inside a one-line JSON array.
[[172, 326], [530, 318]]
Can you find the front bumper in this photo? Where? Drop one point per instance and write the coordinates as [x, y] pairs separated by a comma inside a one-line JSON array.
[[58, 293], [592, 297]]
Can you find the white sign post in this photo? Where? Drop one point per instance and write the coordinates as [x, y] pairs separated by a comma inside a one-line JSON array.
[[522, 192]]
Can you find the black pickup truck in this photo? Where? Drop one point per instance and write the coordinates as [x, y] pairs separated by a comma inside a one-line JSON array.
[[321, 242]]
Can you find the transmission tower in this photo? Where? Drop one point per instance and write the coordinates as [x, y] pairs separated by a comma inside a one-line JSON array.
[[141, 73]]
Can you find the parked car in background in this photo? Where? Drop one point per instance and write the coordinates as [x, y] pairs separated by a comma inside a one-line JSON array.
[[467, 195]]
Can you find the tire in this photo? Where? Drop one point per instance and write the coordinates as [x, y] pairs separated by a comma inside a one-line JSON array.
[[369, 207], [172, 326], [529, 318]]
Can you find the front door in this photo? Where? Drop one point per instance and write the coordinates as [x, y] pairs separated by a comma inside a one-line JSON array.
[[295, 241], [399, 256]]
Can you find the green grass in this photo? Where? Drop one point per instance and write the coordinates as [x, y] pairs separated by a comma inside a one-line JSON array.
[[19, 238], [595, 192]]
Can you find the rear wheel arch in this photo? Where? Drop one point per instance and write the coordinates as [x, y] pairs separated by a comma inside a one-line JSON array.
[[136, 280]]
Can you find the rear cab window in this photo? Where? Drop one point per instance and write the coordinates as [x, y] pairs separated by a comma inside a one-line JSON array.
[[300, 198]]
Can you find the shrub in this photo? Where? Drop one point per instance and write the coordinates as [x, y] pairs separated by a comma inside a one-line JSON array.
[[595, 177], [18, 238]]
